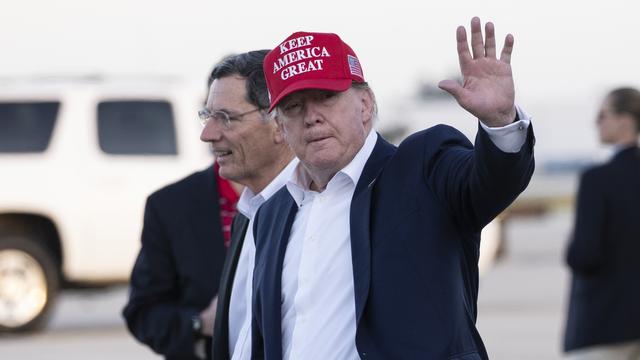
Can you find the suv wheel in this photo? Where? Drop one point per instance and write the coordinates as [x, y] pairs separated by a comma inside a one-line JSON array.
[[28, 283]]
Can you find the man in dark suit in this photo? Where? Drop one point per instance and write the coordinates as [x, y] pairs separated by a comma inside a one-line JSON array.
[[173, 303], [370, 251], [177, 272], [604, 312], [251, 151]]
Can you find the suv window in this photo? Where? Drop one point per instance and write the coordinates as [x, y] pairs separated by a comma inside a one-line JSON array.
[[136, 128], [26, 126]]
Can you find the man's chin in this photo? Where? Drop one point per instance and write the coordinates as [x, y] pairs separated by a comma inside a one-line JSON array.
[[228, 172], [324, 165]]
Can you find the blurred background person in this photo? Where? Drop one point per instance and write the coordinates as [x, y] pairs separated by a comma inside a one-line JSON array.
[[174, 283], [604, 309]]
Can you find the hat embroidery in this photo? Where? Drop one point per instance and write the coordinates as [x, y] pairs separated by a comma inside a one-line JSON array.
[[295, 59]]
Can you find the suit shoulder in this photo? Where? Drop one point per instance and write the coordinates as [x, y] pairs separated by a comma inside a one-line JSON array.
[[179, 189], [433, 140], [595, 176], [595, 171], [617, 171], [436, 134]]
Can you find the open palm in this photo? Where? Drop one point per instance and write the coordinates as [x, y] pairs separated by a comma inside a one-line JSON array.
[[487, 91]]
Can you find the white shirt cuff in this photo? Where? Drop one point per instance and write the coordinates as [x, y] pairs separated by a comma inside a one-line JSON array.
[[510, 138]]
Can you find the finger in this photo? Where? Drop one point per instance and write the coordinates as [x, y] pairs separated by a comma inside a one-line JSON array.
[[507, 49], [476, 38], [490, 40], [452, 87], [464, 56]]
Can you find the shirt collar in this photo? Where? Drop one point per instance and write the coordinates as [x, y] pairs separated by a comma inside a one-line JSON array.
[[300, 179], [354, 169], [249, 202]]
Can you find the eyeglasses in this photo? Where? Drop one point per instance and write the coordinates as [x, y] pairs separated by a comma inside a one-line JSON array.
[[221, 117]]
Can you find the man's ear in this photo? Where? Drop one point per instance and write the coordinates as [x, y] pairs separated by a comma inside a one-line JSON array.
[[278, 135], [368, 106]]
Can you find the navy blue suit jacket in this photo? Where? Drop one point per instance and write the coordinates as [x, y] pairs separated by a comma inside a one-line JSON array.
[[415, 221], [604, 307], [177, 272]]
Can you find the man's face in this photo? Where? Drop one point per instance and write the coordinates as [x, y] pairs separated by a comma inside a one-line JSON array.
[[247, 149], [326, 129], [612, 127]]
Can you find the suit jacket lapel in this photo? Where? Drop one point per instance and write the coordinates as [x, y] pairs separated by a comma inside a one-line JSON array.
[[221, 326], [274, 240], [360, 224]]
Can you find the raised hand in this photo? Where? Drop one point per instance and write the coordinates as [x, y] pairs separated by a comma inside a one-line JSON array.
[[487, 91]]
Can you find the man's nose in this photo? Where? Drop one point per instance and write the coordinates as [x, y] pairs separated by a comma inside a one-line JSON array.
[[312, 113], [212, 131]]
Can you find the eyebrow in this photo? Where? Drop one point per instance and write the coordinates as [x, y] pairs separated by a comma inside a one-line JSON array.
[[225, 110]]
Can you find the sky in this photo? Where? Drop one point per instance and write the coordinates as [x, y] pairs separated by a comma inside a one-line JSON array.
[[567, 55]]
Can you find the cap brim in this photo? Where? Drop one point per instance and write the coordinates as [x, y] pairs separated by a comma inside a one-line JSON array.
[[321, 84]]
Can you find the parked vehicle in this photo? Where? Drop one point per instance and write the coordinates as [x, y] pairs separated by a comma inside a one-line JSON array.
[[77, 159]]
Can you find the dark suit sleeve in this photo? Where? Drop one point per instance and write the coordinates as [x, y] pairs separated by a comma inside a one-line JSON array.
[[476, 183], [152, 314], [586, 246]]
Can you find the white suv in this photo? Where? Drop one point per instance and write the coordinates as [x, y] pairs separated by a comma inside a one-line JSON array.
[[77, 160]]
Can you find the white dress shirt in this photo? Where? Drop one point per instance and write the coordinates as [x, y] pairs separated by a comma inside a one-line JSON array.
[[318, 300], [242, 290]]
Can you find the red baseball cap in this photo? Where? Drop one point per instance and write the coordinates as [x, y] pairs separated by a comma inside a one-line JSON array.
[[307, 60]]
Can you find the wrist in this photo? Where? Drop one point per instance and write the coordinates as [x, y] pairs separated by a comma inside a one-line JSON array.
[[503, 119]]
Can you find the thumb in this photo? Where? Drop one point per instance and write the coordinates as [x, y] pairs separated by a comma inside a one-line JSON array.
[[452, 87]]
